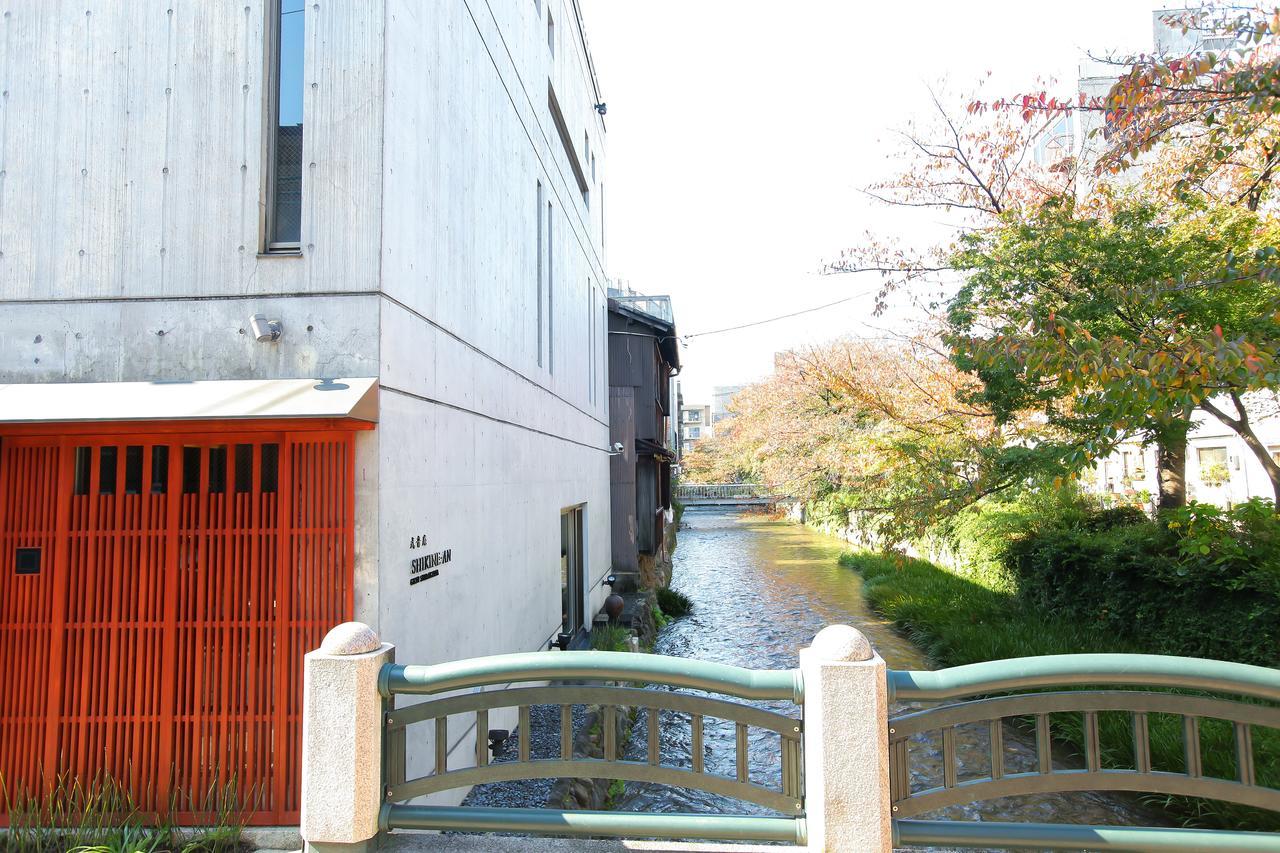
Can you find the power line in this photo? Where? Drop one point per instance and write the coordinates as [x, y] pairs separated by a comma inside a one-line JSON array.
[[775, 319]]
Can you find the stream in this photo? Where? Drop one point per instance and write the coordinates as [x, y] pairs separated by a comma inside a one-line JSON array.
[[762, 588]]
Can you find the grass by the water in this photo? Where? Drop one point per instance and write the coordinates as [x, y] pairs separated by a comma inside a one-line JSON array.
[[959, 618]]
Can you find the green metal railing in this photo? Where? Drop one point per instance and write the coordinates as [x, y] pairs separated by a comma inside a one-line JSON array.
[[608, 675], [976, 684], [985, 695]]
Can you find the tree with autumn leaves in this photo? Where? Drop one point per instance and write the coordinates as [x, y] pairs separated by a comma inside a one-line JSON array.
[[1209, 116], [1089, 309], [1122, 319], [890, 430], [1136, 308]]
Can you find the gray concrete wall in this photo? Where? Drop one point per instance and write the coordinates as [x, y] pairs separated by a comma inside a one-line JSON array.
[[131, 167], [132, 144], [482, 443]]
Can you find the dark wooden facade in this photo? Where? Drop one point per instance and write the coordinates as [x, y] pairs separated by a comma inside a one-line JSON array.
[[643, 356]]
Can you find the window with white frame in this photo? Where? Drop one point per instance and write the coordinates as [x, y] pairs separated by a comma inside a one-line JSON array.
[[1213, 465], [1134, 465]]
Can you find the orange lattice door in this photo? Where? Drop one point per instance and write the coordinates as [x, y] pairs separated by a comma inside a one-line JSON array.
[[157, 595]]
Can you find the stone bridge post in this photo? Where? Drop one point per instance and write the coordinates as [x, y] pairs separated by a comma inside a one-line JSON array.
[[846, 744], [342, 740]]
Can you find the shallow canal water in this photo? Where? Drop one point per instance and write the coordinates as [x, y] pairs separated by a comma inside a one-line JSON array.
[[761, 589]]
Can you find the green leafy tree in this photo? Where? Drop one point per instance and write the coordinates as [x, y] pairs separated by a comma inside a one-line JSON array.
[[1123, 318]]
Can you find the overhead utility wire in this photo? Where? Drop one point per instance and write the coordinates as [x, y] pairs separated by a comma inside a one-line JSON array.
[[775, 319]]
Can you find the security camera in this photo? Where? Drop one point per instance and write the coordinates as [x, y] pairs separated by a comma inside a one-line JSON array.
[[617, 447], [602, 108], [266, 331]]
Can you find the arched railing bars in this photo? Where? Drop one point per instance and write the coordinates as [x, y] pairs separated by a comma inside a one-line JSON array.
[[609, 673]]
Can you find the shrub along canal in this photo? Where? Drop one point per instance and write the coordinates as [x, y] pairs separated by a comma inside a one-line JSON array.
[[761, 589]]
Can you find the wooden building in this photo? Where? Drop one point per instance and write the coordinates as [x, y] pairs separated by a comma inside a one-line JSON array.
[[643, 356]]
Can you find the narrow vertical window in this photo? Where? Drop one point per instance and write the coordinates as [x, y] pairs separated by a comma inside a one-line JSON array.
[[270, 471], [108, 458], [218, 469], [84, 458], [551, 290], [244, 468], [133, 469], [541, 250], [190, 470], [159, 469], [591, 343], [586, 160], [551, 34], [284, 208]]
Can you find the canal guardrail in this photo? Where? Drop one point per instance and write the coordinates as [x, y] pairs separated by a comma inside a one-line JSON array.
[[725, 494], [843, 779], [602, 671]]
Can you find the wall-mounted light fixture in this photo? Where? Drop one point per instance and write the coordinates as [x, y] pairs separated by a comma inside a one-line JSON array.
[[264, 330]]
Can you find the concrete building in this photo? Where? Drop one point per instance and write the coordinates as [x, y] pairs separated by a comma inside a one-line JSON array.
[[695, 425], [261, 381], [721, 397], [1221, 469], [643, 356], [1084, 134]]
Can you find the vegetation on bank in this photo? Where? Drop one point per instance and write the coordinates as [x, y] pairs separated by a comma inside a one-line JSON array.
[[673, 603], [611, 638], [1199, 581], [100, 815]]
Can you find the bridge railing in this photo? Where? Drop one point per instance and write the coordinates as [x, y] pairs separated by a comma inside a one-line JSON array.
[[605, 675], [722, 491], [846, 778], [985, 695]]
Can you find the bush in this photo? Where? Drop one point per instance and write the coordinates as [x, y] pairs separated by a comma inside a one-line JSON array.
[[99, 814], [974, 540], [610, 638], [672, 603], [956, 619], [1199, 581], [959, 620]]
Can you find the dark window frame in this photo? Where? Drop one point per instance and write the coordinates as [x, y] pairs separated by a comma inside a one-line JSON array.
[[271, 125]]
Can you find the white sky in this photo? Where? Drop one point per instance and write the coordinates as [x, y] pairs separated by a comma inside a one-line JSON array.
[[740, 133]]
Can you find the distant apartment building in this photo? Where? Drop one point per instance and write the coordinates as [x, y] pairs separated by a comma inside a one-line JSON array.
[[1220, 468], [643, 357], [695, 424], [721, 397], [1084, 134], [302, 319]]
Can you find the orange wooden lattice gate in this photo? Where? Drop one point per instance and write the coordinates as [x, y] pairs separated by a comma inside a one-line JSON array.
[[158, 590]]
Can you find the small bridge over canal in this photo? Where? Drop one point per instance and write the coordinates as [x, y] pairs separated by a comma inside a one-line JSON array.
[[727, 494]]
